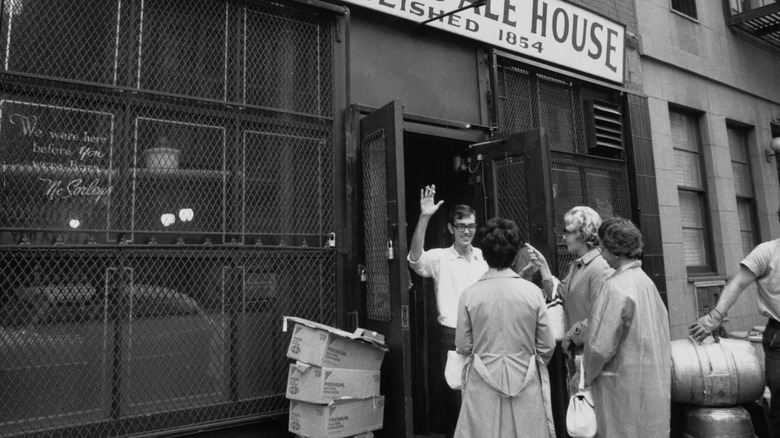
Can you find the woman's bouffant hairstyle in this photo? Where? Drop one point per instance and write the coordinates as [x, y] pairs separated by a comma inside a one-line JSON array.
[[500, 241], [587, 221], [621, 237]]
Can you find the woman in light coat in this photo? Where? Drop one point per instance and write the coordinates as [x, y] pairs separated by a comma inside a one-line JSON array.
[[585, 276], [627, 357], [502, 325]]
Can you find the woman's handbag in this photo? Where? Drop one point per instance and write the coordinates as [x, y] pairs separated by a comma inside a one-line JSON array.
[[453, 371], [580, 416], [555, 313]]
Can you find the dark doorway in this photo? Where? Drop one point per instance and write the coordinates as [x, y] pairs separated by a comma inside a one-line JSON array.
[[443, 162]]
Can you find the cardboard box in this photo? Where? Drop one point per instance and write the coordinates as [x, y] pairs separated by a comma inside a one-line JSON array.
[[323, 385], [324, 346], [339, 419]]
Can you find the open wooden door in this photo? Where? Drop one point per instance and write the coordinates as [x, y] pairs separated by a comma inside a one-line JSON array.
[[514, 181], [386, 285]]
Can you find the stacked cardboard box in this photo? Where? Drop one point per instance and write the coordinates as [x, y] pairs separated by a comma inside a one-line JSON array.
[[333, 386]]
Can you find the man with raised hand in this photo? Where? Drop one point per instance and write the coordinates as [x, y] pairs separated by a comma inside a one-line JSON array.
[[453, 269]]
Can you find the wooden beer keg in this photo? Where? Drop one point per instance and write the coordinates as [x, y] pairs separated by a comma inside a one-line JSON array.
[[714, 374], [729, 422]]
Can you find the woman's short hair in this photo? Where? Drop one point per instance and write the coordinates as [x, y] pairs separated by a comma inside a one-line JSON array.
[[500, 241], [460, 211], [621, 237], [586, 221]]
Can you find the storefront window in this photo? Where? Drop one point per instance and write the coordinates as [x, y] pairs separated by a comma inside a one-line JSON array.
[[121, 163], [166, 177]]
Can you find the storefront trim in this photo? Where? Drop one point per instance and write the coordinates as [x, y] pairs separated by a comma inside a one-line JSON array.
[[434, 126], [546, 30], [583, 78]]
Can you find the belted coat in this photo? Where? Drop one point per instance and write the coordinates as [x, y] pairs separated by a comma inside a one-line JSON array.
[[503, 326]]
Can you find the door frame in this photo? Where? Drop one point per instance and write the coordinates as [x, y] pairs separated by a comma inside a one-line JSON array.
[[356, 290]]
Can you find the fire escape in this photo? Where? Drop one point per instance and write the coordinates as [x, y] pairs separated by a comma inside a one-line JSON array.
[[760, 18]]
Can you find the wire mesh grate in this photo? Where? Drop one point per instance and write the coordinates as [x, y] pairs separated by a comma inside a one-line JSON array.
[[512, 200], [517, 100], [110, 341], [599, 184], [375, 211], [531, 99], [167, 194], [78, 41], [140, 166]]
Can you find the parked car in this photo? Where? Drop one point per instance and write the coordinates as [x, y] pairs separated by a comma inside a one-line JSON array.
[[62, 350]]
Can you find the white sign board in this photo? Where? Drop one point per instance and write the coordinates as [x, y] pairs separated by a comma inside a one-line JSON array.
[[550, 30]]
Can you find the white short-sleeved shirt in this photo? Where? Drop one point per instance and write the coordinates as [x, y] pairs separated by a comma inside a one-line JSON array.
[[451, 273], [764, 263]]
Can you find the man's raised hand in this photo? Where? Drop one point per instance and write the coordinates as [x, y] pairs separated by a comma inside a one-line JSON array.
[[427, 205]]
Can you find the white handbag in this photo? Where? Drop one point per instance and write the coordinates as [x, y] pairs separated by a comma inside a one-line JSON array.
[[453, 371], [555, 313], [581, 415]]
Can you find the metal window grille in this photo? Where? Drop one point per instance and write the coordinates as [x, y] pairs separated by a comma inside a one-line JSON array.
[[528, 99], [512, 200], [596, 183], [113, 341], [167, 196], [375, 213]]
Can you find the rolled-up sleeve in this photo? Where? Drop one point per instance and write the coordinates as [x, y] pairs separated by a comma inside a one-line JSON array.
[[759, 259], [426, 266]]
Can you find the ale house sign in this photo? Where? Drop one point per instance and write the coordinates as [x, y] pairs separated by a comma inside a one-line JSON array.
[[549, 30]]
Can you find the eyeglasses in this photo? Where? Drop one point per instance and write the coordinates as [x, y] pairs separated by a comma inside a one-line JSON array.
[[462, 228], [566, 233]]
